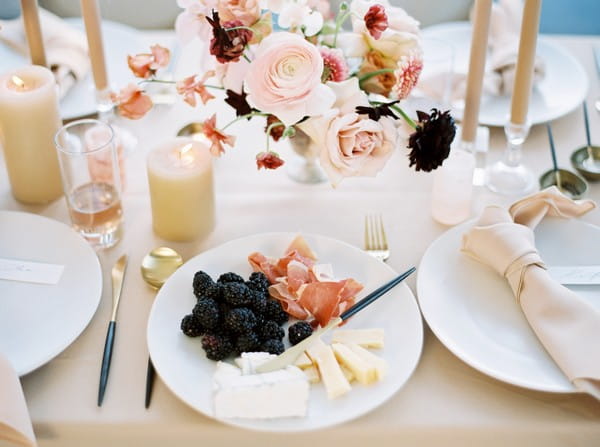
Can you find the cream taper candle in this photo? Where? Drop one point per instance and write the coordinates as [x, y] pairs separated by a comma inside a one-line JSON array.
[[93, 30], [29, 118], [525, 62], [181, 190], [33, 31], [481, 25]]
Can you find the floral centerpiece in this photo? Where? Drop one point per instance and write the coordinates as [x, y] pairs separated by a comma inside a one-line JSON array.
[[295, 64]]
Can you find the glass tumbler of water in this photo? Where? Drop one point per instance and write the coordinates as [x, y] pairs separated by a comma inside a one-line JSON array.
[[89, 163]]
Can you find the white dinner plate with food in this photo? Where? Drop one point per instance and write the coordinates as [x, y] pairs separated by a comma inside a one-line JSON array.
[[473, 311], [39, 321], [119, 41], [182, 364], [563, 88]]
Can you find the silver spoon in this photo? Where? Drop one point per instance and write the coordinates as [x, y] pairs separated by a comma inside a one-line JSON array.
[[156, 268]]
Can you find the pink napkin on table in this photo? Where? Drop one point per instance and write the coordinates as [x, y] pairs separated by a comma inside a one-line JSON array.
[[566, 325], [15, 424]]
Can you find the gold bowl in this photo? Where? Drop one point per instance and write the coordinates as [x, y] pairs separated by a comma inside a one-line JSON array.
[[579, 160], [571, 184]]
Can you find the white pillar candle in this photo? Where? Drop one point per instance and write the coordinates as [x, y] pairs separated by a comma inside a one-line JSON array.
[[525, 62], [181, 190], [29, 118], [33, 31], [479, 39], [93, 29]]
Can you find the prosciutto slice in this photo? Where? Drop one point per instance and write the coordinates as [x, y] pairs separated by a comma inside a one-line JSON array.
[[306, 290]]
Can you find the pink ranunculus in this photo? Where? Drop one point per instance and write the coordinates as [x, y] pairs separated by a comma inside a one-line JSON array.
[[132, 102], [246, 11], [285, 79], [232, 74]]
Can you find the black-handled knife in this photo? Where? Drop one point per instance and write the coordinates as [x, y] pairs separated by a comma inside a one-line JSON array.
[[118, 273]]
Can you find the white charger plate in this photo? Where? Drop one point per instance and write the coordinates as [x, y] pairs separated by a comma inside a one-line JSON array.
[[119, 41], [39, 321], [473, 311], [563, 88], [184, 368]]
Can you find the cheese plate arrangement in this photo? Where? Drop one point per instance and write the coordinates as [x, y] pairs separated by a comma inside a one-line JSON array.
[[349, 372]]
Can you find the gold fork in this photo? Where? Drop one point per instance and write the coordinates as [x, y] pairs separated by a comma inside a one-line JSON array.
[[375, 240]]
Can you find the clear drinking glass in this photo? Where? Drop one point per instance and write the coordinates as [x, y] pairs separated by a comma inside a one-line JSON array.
[[89, 163]]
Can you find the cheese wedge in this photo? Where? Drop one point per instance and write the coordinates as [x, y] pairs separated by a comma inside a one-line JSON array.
[[364, 371], [312, 374], [380, 365], [347, 374], [367, 338], [303, 362], [332, 376]]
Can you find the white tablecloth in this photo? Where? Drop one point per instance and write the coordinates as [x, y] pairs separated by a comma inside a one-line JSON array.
[[445, 402]]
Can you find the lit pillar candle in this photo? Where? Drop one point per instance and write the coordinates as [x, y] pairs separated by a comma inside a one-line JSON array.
[[481, 26], [33, 31], [525, 62], [181, 190], [91, 17], [29, 118]]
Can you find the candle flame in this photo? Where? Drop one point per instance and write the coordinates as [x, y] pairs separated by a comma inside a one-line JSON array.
[[17, 81], [185, 154]]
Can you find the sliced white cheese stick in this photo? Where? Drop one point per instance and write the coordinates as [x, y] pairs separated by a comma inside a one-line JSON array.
[[312, 374], [335, 383], [381, 366], [303, 362], [364, 371], [347, 374], [367, 338]]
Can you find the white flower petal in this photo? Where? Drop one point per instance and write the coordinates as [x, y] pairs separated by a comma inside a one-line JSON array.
[[320, 100], [352, 44], [312, 23]]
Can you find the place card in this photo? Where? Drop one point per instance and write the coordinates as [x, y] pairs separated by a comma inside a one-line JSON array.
[[27, 271]]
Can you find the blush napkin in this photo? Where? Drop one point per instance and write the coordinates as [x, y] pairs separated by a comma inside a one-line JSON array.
[[567, 326], [15, 424], [66, 47]]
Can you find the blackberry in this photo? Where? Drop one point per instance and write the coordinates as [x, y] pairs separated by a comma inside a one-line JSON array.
[[202, 281], [270, 331], [275, 312], [230, 277], [206, 312], [258, 281], [258, 303], [214, 292], [236, 294], [299, 331], [273, 347], [217, 347], [240, 320], [260, 320], [248, 342], [191, 327]]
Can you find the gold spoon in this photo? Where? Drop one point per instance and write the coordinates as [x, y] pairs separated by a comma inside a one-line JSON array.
[[156, 268]]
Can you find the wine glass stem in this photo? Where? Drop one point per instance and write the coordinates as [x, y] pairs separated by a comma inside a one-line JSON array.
[[512, 155]]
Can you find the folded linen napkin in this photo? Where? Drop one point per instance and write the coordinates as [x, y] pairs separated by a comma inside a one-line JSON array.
[[503, 43], [66, 47], [566, 325], [15, 424]]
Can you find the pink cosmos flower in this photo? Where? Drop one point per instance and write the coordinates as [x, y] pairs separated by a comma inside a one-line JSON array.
[[144, 65], [132, 102], [285, 79], [217, 138], [268, 160], [407, 73], [376, 21], [336, 68], [189, 86]]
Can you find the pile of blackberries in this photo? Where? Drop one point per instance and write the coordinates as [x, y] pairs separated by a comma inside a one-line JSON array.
[[234, 316]]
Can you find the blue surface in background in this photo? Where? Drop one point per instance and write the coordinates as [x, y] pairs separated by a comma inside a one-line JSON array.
[[570, 17]]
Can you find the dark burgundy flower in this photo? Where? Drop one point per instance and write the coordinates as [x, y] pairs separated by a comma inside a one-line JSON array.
[[376, 21], [430, 142], [276, 131], [268, 160], [227, 44], [378, 111], [238, 102]]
